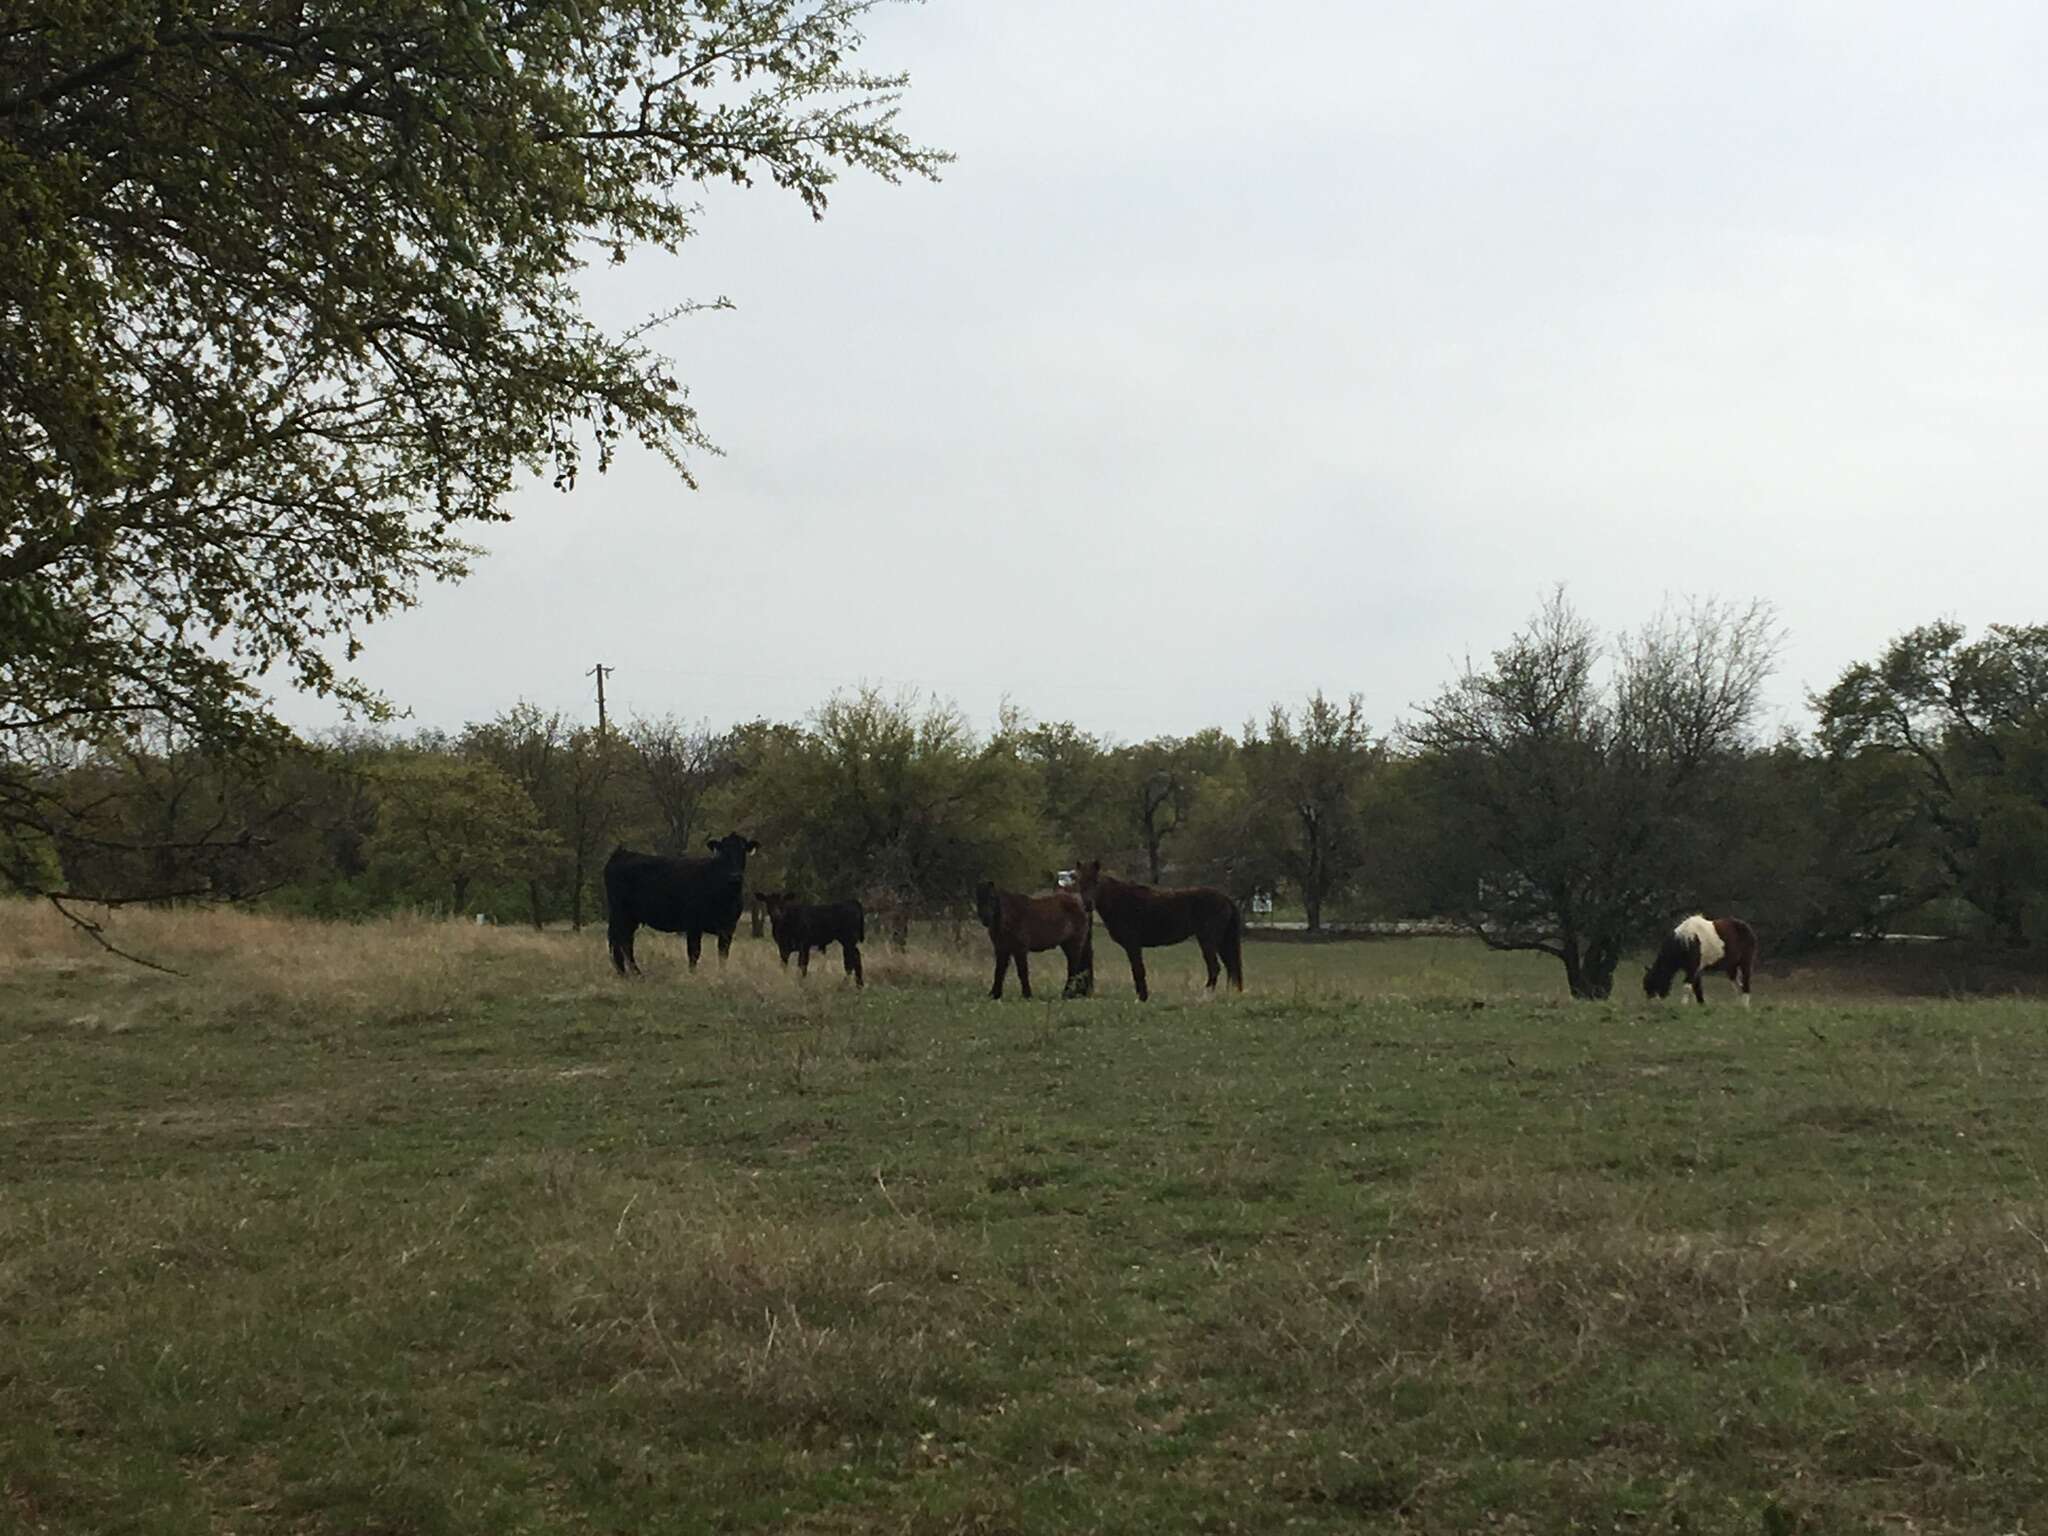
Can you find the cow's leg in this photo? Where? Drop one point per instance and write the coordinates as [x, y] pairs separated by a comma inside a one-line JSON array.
[[785, 956], [1209, 958], [621, 936], [693, 941], [725, 941], [1002, 970], [1137, 955], [803, 960], [1024, 971], [850, 953]]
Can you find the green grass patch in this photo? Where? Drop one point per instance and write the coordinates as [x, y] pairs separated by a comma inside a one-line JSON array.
[[411, 1229]]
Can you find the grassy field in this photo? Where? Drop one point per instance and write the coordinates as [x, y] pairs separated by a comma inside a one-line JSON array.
[[414, 1227]]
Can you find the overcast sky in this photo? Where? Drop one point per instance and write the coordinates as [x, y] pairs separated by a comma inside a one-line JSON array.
[[1252, 349]]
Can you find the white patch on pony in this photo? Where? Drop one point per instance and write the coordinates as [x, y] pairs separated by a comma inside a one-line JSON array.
[[1745, 999], [1711, 947], [1685, 993]]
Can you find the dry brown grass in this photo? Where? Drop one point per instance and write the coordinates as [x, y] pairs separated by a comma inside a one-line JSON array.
[[235, 964]]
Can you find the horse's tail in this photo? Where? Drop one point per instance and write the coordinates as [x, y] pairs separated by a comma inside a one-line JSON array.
[[1230, 945]]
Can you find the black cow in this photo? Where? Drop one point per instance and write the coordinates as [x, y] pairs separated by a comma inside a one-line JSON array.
[[800, 929], [692, 897]]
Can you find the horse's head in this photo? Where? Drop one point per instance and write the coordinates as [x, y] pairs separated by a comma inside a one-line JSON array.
[[1087, 880], [986, 907]]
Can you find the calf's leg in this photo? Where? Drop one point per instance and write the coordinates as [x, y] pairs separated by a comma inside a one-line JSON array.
[[693, 942], [850, 953]]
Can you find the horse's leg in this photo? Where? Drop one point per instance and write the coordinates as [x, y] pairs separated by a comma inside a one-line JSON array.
[[1023, 970], [1209, 958], [1002, 970], [1079, 982], [1699, 987], [693, 941], [1740, 971], [1137, 954], [850, 953]]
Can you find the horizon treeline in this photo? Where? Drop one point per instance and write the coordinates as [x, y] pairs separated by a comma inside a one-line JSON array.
[[1572, 795]]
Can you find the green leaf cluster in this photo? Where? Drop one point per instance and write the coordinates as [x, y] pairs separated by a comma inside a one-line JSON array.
[[289, 297]]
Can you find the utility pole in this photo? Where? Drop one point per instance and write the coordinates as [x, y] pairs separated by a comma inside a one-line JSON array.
[[599, 672]]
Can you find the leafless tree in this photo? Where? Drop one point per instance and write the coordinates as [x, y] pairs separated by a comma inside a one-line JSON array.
[[1578, 787]]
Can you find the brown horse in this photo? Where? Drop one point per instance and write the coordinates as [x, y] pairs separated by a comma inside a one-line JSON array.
[[1018, 925], [1698, 945], [1142, 917]]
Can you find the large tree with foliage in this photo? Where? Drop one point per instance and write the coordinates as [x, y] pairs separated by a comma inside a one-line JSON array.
[[1945, 742], [448, 825], [677, 766], [1309, 777], [901, 803], [571, 774], [288, 297], [1581, 794]]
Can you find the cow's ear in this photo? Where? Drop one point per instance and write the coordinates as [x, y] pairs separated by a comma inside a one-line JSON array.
[[711, 843], [752, 845]]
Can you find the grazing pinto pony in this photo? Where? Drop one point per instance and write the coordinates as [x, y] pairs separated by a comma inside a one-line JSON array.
[[1018, 925], [1702, 944], [1142, 917]]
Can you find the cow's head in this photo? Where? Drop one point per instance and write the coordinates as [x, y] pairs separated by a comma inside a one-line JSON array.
[[775, 901], [732, 848]]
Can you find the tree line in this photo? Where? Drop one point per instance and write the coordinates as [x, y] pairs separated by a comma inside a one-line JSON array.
[[1568, 795]]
